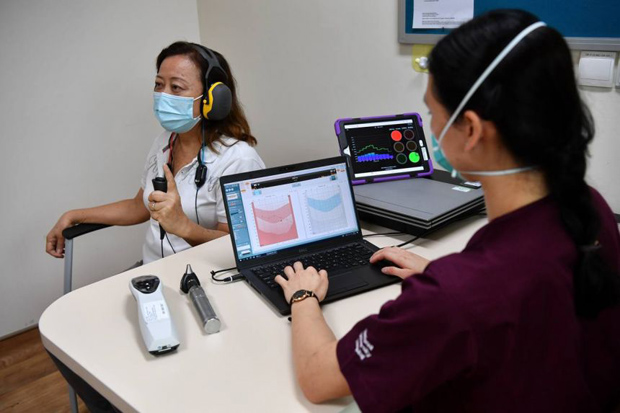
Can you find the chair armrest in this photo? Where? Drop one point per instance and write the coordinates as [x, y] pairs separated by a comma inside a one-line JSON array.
[[81, 229]]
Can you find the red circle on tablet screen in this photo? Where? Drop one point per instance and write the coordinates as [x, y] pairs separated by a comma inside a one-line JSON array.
[[396, 135]]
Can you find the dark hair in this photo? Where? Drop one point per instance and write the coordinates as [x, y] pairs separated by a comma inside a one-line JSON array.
[[235, 124], [533, 100]]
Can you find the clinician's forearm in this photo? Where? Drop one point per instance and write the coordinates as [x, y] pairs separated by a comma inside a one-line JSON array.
[[310, 331], [314, 354], [125, 212]]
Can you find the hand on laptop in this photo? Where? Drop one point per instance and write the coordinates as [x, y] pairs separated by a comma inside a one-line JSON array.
[[407, 263], [303, 279]]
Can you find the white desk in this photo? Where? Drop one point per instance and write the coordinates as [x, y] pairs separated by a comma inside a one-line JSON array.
[[247, 366]]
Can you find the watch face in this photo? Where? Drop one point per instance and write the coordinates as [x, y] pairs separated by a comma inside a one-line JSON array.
[[300, 294]]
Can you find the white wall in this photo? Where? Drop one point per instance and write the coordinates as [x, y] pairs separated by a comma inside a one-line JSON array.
[[75, 107], [604, 165], [76, 115], [303, 64]]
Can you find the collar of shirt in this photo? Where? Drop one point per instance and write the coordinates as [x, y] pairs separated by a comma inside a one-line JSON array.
[[209, 155]]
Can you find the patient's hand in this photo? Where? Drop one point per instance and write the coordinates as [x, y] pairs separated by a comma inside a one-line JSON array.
[[55, 242], [407, 263], [165, 207]]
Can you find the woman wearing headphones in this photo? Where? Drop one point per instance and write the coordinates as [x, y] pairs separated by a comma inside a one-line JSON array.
[[526, 317], [206, 136]]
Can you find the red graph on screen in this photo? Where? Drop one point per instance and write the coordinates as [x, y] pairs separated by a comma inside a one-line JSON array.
[[275, 225]]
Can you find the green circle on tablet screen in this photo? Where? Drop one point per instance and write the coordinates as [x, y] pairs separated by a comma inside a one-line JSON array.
[[401, 158], [414, 157]]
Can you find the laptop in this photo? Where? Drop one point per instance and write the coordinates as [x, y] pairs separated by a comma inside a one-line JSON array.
[[419, 205], [384, 148], [303, 212]]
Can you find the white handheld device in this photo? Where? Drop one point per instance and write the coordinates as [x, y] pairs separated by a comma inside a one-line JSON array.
[[158, 331]]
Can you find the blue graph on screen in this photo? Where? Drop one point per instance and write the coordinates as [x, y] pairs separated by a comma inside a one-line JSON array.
[[325, 205], [370, 157], [325, 210]]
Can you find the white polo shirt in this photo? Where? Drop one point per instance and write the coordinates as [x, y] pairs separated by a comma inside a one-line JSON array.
[[234, 156]]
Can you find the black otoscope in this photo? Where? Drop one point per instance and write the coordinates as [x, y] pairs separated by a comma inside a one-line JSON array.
[[191, 285], [160, 184]]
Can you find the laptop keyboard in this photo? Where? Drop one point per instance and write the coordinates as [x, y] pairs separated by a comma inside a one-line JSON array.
[[333, 261]]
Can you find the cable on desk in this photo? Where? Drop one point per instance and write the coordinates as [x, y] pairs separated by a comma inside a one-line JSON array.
[[410, 241], [481, 212], [226, 280], [384, 233]]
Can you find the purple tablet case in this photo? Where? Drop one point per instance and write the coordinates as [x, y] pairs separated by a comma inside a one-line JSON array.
[[401, 151]]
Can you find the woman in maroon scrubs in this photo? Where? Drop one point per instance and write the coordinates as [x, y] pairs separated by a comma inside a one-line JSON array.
[[526, 317]]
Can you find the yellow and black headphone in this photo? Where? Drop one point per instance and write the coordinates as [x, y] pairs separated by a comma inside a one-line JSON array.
[[217, 97], [216, 104]]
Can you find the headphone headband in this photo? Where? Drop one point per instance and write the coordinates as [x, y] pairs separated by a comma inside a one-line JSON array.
[[213, 65], [217, 96]]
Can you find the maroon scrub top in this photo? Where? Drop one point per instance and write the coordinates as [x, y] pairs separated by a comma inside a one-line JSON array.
[[492, 328]]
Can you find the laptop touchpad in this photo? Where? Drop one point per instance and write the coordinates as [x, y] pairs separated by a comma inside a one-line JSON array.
[[344, 282]]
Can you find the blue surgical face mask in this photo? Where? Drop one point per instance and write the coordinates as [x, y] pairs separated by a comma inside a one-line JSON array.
[[440, 157], [175, 113]]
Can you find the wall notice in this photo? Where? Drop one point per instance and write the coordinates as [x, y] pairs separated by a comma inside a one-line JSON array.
[[440, 14]]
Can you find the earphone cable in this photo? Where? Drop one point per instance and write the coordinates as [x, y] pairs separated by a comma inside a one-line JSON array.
[[196, 205], [169, 243], [201, 162]]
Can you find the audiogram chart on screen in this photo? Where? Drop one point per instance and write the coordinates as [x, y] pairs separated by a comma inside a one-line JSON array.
[[370, 153], [275, 221], [325, 209]]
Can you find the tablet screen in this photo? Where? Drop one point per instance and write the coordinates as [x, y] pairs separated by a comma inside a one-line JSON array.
[[385, 148]]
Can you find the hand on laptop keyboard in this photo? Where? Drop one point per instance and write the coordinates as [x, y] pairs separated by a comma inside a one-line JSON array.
[[333, 261], [402, 263], [300, 278]]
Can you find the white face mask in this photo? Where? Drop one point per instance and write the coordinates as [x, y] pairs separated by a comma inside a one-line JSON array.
[[439, 155]]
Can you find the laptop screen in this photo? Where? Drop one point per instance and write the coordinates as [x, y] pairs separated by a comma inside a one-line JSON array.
[[272, 213]]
